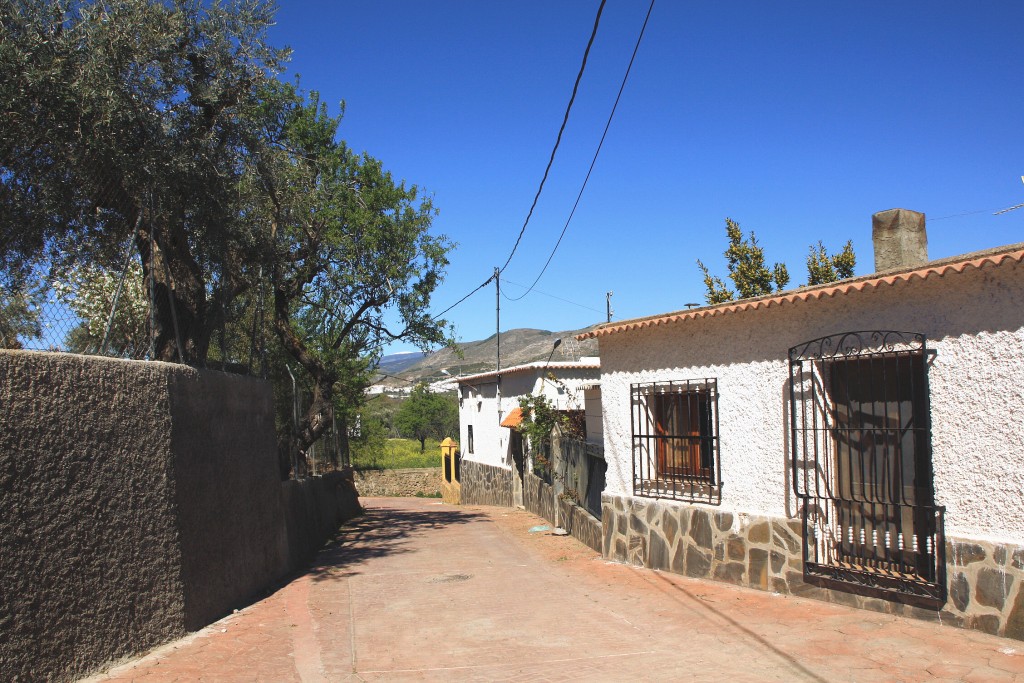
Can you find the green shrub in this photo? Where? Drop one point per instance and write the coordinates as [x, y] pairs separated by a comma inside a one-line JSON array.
[[399, 454]]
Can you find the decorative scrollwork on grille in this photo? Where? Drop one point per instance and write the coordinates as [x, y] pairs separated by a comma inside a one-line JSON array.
[[851, 344]]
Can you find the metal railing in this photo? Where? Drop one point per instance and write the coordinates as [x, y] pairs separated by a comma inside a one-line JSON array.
[[675, 445], [582, 470], [861, 465]]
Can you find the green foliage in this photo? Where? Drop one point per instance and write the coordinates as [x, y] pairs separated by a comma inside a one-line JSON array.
[[427, 415], [399, 454], [19, 312], [89, 289], [160, 124], [752, 277], [747, 270], [131, 122], [353, 262], [371, 441], [539, 417], [822, 268]]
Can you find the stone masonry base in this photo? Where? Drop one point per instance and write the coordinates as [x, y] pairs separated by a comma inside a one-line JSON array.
[[485, 484], [404, 482], [985, 580], [540, 499]]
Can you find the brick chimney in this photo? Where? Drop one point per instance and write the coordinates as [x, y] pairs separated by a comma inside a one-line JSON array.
[[900, 239]]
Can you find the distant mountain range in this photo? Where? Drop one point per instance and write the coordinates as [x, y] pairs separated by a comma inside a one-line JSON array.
[[518, 346], [397, 362]]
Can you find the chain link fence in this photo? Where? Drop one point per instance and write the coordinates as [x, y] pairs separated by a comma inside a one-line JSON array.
[[93, 310]]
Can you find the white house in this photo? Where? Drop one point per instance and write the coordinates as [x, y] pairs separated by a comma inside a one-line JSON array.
[[859, 442], [493, 461]]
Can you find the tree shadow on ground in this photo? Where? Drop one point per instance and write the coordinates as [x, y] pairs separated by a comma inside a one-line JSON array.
[[380, 532]]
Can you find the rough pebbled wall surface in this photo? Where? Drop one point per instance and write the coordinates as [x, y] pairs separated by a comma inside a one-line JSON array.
[[974, 322], [425, 481], [985, 581], [90, 552], [485, 485], [139, 500], [314, 508], [224, 446]]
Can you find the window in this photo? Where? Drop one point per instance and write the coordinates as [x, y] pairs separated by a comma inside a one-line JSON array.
[[861, 449], [675, 440], [469, 438]]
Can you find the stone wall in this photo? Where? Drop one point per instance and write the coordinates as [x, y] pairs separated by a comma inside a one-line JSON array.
[[313, 510], [400, 483], [583, 526], [222, 443], [140, 500], [486, 485], [90, 553], [539, 498], [984, 579]]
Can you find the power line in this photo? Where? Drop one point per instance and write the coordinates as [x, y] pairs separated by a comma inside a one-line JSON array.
[[558, 140], [958, 215], [482, 285], [593, 162], [574, 303]]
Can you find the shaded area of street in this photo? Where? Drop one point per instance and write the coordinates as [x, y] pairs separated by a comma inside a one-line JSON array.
[[417, 590]]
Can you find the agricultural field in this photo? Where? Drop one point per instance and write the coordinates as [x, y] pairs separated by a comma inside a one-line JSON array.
[[399, 454]]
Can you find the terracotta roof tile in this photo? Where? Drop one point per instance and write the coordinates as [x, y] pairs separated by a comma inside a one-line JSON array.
[[535, 366], [941, 268], [513, 419]]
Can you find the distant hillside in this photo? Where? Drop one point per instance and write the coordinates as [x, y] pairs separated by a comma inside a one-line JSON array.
[[517, 347], [398, 362]]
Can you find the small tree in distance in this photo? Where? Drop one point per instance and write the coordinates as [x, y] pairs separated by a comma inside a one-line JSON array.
[[752, 277], [746, 269], [822, 268], [426, 414]]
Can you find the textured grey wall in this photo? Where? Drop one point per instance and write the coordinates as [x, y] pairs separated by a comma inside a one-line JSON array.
[[228, 500], [90, 563], [313, 510], [139, 500]]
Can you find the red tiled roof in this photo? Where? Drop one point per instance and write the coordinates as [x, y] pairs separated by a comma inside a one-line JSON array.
[[535, 367], [941, 268], [513, 419]]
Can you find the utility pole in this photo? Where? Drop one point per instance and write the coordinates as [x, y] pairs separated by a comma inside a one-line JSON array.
[[497, 336], [608, 304]]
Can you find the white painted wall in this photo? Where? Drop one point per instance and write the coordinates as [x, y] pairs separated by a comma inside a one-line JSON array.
[[480, 408], [973, 321]]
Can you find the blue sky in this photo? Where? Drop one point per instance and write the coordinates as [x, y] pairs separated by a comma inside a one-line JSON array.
[[798, 120]]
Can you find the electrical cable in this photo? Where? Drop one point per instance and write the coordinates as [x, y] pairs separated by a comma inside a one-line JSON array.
[[574, 303], [596, 153], [485, 283], [551, 160], [958, 215], [558, 140]]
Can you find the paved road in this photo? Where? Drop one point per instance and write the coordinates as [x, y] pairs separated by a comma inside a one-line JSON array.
[[420, 591]]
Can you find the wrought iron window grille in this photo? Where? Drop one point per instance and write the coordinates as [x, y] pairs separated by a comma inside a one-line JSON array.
[[861, 466], [675, 444]]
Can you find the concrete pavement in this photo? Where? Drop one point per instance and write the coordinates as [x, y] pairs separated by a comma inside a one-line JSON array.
[[417, 590]]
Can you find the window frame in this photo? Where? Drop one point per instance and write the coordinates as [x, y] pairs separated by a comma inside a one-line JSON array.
[[860, 431], [673, 457]]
